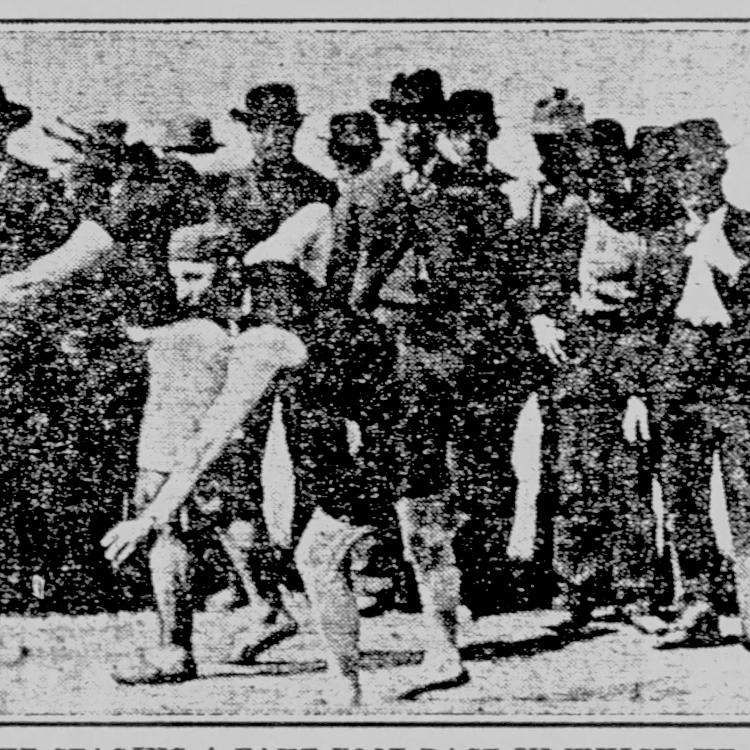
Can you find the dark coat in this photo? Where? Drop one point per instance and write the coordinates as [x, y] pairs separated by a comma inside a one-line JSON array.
[[441, 256], [614, 350], [256, 199], [159, 196], [705, 362], [35, 217]]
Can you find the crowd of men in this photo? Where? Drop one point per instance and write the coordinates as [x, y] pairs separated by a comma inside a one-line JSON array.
[[323, 379]]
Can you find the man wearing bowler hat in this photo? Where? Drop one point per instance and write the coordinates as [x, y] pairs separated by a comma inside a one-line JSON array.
[[256, 199], [258, 202], [497, 382]]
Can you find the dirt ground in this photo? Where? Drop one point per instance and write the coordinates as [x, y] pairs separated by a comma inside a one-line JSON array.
[[518, 667]]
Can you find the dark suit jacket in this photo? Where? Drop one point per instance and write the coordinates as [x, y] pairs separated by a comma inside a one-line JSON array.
[[35, 217], [442, 257], [257, 198], [703, 362]]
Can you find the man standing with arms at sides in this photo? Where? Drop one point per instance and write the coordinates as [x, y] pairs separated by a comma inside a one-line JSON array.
[[418, 274], [587, 321], [497, 381], [698, 376]]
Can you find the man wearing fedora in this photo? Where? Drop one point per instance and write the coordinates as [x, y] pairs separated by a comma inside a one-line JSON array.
[[496, 383], [190, 140], [267, 205], [256, 199], [428, 274]]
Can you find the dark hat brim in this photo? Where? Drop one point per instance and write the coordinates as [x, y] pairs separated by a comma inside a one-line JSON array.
[[391, 110], [209, 147], [248, 118], [15, 115]]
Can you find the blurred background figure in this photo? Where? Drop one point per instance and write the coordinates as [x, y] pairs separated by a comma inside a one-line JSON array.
[[381, 577], [497, 382], [35, 218], [652, 169]]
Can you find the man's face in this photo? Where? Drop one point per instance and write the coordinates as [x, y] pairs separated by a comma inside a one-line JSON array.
[[273, 142], [470, 141], [415, 141], [698, 180], [554, 155], [192, 280]]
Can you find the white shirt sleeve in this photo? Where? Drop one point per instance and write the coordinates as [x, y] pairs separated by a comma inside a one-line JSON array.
[[88, 244], [305, 238]]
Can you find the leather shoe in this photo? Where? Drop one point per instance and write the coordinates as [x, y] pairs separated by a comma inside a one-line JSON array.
[[697, 626], [435, 674]]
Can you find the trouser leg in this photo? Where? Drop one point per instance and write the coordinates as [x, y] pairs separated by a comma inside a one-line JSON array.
[[171, 566], [486, 490], [581, 543], [688, 444], [427, 525], [734, 423], [633, 522]]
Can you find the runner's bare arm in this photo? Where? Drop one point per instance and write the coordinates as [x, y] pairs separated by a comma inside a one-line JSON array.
[[259, 354]]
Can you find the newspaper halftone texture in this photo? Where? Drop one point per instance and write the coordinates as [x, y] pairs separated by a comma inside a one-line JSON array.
[[376, 370]]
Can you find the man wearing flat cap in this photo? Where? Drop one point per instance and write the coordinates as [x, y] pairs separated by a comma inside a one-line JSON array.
[[585, 302], [187, 364]]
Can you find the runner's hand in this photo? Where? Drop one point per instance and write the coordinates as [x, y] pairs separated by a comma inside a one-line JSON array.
[[120, 542], [635, 421], [549, 338]]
